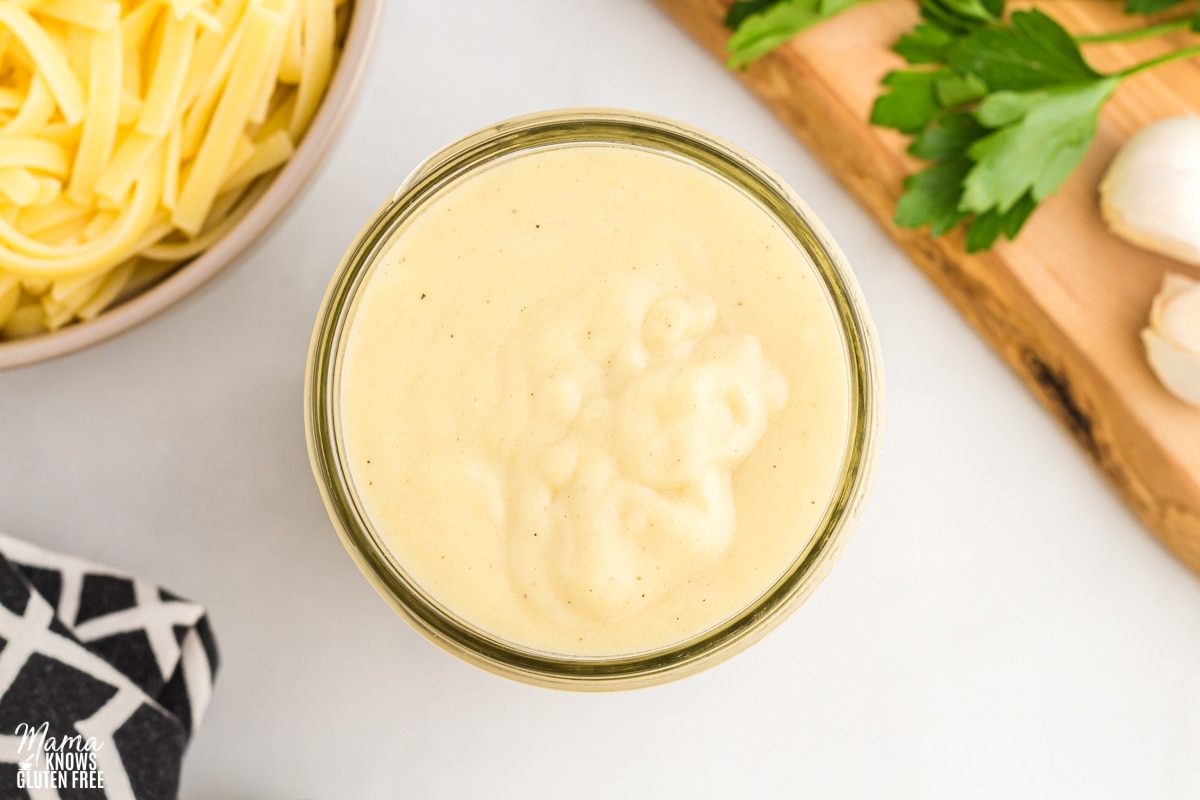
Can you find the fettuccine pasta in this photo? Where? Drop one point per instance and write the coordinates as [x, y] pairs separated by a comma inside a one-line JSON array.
[[134, 133]]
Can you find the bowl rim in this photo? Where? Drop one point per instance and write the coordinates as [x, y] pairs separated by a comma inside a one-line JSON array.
[[284, 190]]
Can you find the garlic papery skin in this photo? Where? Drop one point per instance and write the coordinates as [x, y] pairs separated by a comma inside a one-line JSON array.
[[1151, 192], [1172, 338]]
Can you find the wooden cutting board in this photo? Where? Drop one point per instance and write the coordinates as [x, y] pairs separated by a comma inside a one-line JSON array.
[[1064, 303]]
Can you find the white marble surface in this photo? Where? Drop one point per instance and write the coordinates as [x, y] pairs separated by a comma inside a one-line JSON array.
[[1001, 626]]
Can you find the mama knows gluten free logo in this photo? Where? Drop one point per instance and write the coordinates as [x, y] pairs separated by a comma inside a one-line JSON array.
[[57, 762]]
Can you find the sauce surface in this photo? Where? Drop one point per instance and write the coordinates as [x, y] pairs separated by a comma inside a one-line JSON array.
[[594, 399]]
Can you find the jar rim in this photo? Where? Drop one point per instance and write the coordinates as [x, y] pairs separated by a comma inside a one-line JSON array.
[[579, 126]]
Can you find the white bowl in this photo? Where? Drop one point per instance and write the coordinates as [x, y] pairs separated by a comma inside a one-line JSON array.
[[285, 187]]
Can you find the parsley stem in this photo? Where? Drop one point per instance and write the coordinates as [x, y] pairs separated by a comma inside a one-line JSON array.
[[1134, 34], [1185, 52]]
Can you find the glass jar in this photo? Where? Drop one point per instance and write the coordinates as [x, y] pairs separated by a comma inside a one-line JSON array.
[[431, 617]]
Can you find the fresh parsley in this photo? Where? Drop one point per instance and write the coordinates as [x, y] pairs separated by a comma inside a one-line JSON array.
[[742, 10], [1004, 111], [960, 16], [759, 26], [1036, 140], [1031, 52], [1003, 107]]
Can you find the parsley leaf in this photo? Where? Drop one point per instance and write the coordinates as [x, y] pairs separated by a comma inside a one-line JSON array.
[[952, 136], [912, 102], [1039, 139], [985, 229], [770, 25], [739, 11], [960, 16], [916, 98], [933, 195], [953, 89], [945, 21], [1033, 52], [1005, 119], [927, 44]]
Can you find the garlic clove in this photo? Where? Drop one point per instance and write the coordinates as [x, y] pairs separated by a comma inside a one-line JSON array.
[[1179, 370], [1174, 286], [1150, 194], [1172, 337], [1176, 312]]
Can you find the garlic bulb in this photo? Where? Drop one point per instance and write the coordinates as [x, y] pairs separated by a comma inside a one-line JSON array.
[[1151, 192], [1172, 338]]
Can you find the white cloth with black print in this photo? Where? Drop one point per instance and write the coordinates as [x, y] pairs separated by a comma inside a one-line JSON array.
[[91, 653]]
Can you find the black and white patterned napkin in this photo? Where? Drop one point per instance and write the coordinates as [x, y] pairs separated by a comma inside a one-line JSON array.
[[103, 679]]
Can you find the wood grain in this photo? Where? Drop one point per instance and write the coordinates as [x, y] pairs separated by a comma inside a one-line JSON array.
[[1064, 303]]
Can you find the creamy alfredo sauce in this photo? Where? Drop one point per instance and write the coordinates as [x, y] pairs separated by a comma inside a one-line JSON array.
[[594, 399]]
